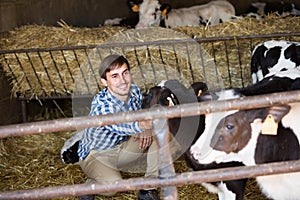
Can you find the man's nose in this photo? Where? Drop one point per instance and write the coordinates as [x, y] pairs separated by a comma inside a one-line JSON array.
[[123, 79]]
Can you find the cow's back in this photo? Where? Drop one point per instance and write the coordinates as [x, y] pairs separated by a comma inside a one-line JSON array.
[[213, 12], [216, 11]]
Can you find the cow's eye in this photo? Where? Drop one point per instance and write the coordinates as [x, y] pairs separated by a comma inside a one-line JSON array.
[[229, 127]]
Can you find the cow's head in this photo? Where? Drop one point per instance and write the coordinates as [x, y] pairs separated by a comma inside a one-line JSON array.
[[151, 13], [232, 136], [159, 95]]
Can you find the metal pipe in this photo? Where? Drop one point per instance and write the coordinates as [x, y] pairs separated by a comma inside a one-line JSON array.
[[139, 183], [166, 168], [159, 42], [75, 123]]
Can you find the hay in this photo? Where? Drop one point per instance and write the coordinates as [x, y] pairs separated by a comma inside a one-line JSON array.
[[41, 36], [48, 73], [54, 73], [245, 26]]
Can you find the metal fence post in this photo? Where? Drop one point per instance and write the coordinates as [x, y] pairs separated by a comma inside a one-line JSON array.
[[166, 168]]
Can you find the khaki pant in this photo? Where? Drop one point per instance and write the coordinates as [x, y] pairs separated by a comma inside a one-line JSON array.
[[104, 165]]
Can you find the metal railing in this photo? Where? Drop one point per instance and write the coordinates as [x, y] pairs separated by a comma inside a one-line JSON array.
[[167, 179]]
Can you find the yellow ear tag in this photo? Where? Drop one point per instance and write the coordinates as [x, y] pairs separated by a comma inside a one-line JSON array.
[[269, 127], [164, 12], [199, 93], [135, 8]]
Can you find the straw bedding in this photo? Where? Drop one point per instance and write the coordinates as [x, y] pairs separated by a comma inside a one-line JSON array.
[[34, 161]]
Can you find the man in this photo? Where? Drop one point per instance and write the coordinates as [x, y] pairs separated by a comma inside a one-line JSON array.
[[105, 150]]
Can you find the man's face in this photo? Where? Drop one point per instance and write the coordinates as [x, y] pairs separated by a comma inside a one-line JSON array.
[[118, 82]]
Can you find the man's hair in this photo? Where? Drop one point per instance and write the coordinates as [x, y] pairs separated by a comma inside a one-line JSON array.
[[111, 62]]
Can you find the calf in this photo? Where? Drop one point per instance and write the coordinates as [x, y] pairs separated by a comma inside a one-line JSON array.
[[69, 150], [129, 22], [240, 135], [187, 130], [273, 56], [126, 22], [152, 13], [266, 8]]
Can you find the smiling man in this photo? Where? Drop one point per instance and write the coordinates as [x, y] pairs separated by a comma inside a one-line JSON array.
[[106, 150]]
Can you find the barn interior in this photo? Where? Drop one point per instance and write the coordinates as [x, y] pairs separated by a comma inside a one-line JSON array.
[[34, 161]]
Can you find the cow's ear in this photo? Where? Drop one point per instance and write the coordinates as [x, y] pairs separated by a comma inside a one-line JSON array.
[[205, 97], [165, 9], [279, 111], [134, 6]]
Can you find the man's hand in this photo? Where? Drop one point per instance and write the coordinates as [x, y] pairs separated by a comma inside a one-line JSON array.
[[145, 139]]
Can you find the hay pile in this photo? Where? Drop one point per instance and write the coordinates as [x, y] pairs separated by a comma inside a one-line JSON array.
[[47, 73], [55, 73], [41, 36], [246, 26]]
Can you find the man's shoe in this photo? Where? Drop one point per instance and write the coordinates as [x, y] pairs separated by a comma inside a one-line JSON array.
[[87, 197], [148, 195]]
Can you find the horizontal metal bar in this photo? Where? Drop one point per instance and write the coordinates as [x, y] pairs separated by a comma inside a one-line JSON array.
[[76, 123], [139, 183], [24, 98], [145, 43]]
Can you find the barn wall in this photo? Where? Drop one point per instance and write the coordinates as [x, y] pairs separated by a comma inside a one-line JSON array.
[[89, 13]]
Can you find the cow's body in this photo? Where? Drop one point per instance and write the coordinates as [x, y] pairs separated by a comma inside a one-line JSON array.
[[273, 56], [187, 130], [266, 8], [125, 22], [237, 135], [151, 13], [129, 22]]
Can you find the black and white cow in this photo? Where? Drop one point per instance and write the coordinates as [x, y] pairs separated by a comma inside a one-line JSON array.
[[266, 8], [152, 13], [125, 22], [240, 135], [129, 22], [187, 130], [68, 152], [272, 56]]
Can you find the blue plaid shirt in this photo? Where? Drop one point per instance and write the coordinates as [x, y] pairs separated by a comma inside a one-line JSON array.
[[106, 137]]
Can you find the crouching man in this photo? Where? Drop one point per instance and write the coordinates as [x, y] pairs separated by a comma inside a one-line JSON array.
[[105, 150]]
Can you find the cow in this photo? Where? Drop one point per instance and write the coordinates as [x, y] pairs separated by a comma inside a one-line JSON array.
[[266, 8], [272, 56], [129, 22], [152, 13], [124, 22], [186, 130], [242, 136], [68, 152]]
